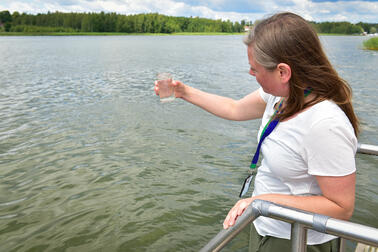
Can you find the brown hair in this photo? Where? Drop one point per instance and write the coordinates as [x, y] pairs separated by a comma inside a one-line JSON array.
[[288, 38]]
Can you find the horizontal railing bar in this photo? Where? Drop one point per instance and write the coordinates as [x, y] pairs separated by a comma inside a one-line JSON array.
[[367, 149], [341, 228], [325, 224], [353, 231]]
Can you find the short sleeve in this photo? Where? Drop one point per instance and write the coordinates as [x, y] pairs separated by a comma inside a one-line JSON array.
[[330, 148], [264, 96]]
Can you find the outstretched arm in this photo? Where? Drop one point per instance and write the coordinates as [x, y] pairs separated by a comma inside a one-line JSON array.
[[250, 107]]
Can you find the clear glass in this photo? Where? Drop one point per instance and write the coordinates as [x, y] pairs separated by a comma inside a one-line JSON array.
[[166, 88]]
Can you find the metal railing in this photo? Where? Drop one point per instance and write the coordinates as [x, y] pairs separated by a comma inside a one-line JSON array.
[[300, 222], [367, 149]]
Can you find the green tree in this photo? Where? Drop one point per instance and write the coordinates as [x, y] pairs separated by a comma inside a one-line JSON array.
[[171, 26], [86, 24], [226, 27], [5, 20], [5, 17], [15, 15]]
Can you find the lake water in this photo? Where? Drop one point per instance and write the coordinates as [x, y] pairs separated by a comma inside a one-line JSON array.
[[90, 160]]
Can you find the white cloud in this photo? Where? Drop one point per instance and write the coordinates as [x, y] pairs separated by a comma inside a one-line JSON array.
[[352, 11]]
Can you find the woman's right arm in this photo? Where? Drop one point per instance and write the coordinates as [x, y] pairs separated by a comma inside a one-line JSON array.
[[250, 107]]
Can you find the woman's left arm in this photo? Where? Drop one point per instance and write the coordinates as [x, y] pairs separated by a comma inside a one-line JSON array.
[[329, 150], [337, 199]]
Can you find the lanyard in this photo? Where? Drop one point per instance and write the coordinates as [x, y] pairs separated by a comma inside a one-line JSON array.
[[269, 127]]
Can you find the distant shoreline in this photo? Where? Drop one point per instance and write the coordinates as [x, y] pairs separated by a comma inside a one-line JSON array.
[[137, 34]]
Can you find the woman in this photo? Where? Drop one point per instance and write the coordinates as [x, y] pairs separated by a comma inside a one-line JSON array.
[[309, 157]]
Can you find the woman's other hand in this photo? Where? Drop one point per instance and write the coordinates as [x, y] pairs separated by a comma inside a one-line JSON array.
[[236, 211]]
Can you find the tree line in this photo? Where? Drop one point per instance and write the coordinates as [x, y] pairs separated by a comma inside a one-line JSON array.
[[112, 22], [145, 23], [345, 27]]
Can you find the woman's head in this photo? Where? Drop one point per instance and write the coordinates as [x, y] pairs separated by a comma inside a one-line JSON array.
[[286, 38]]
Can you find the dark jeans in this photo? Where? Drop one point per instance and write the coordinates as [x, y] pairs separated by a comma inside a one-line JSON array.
[[258, 243]]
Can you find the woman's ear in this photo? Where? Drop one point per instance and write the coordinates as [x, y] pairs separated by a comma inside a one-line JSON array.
[[284, 71]]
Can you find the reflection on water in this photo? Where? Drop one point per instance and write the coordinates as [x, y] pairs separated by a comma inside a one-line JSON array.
[[90, 160]]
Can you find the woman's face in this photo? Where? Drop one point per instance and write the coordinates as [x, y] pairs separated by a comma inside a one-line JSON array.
[[270, 81]]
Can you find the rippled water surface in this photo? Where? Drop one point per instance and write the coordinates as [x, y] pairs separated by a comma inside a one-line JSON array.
[[90, 160]]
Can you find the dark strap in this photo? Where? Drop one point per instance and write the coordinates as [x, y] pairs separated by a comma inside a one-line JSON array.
[[272, 125], [269, 127]]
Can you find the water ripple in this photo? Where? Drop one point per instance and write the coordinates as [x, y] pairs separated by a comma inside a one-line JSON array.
[[9, 203]]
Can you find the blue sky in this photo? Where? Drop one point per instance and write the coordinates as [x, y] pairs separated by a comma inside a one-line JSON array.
[[234, 10]]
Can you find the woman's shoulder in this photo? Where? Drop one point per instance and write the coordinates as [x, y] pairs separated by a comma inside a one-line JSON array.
[[328, 116], [329, 111], [329, 143]]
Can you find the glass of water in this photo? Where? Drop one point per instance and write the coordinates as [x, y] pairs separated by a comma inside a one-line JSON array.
[[166, 88]]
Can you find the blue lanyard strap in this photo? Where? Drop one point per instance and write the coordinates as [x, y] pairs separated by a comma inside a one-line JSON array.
[[269, 127]]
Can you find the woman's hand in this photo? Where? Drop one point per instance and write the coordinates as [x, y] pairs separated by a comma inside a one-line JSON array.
[[178, 85], [236, 211]]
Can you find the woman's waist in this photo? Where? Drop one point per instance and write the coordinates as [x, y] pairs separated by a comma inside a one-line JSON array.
[[266, 183]]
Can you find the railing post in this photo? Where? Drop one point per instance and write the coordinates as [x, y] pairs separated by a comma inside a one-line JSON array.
[[342, 245], [298, 237]]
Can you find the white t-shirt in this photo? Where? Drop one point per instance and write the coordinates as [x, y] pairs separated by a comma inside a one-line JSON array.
[[318, 141]]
